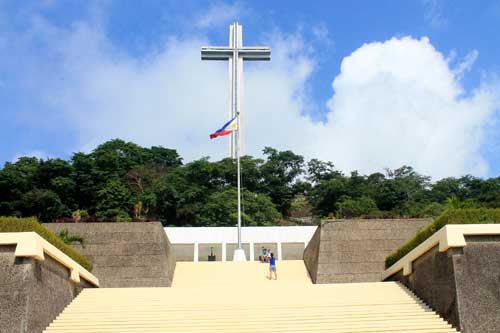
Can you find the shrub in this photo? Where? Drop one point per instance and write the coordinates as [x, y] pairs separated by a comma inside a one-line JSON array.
[[449, 216], [14, 224], [67, 238]]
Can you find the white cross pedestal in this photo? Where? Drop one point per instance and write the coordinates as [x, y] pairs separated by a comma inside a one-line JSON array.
[[239, 255]]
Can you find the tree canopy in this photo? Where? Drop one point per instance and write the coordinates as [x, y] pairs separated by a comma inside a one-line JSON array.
[[122, 181]]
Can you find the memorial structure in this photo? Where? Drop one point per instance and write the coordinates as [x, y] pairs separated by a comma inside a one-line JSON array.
[[139, 287], [236, 54]]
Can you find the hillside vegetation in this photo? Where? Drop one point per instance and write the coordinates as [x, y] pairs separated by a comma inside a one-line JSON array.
[[122, 181]]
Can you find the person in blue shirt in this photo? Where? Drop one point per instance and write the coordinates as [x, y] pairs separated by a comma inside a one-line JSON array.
[[272, 267], [263, 257]]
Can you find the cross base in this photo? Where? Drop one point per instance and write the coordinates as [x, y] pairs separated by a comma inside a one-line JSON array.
[[239, 255]]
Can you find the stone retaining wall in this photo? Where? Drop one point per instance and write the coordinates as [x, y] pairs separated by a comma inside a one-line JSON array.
[[33, 293], [461, 284], [344, 251], [125, 254]]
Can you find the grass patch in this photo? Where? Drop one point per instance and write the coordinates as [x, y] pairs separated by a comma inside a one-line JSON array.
[[15, 224], [450, 216]]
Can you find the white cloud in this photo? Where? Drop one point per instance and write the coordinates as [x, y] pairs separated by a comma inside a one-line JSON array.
[[398, 102], [171, 97], [219, 14], [434, 13], [395, 102], [466, 64]]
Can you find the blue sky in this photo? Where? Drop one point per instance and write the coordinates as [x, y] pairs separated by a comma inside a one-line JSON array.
[[73, 74]]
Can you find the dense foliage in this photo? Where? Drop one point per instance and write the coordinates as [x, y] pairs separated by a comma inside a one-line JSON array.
[[14, 224], [121, 181], [450, 216]]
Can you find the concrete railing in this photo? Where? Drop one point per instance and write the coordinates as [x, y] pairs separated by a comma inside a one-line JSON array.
[[32, 245], [450, 236]]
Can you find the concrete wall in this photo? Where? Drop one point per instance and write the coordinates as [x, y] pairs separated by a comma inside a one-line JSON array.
[[287, 243], [183, 252], [32, 293], [204, 251], [190, 235], [461, 284], [354, 250], [292, 251], [125, 254], [311, 254]]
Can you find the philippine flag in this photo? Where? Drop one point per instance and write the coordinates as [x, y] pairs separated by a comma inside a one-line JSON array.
[[228, 128]]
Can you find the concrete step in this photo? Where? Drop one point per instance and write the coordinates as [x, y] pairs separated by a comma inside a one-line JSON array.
[[237, 297]]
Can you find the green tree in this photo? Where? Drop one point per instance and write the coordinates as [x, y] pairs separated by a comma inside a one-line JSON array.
[[363, 206], [325, 195], [15, 180], [44, 204], [114, 158], [221, 209], [184, 190], [280, 173], [318, 171], [142, 183], [113, 200], [446, 188], [86, 179], [162, 157]]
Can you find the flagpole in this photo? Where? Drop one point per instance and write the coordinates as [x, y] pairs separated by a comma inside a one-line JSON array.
[[239, 253], [239, 179]]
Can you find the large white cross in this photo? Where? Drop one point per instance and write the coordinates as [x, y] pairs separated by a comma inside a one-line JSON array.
[[235, 54]]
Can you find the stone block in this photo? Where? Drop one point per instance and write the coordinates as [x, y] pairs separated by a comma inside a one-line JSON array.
[[355, 250], [122, 251]]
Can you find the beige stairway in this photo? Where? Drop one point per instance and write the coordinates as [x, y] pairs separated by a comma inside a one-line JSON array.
[[238, 297]]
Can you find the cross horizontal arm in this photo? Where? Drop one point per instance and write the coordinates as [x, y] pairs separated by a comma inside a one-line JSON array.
[[216, 53], [255, 53], [225, 53]]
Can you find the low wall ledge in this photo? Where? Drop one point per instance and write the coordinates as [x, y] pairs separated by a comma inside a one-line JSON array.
[[449, 236], [32, 245]]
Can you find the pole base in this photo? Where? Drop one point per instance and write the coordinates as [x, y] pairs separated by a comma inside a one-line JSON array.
[[239, 255]]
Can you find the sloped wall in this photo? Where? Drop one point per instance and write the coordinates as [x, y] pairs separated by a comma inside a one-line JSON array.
[[125, 254], [344, 251], [311, 253]]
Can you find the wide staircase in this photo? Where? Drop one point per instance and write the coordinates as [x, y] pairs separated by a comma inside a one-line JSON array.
[[239, 297]]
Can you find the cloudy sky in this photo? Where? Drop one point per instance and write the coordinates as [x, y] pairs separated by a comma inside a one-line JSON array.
[[367, 85]]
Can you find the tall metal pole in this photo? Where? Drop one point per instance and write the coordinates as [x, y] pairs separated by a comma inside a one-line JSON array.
[[239, 181], [237, 114]]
